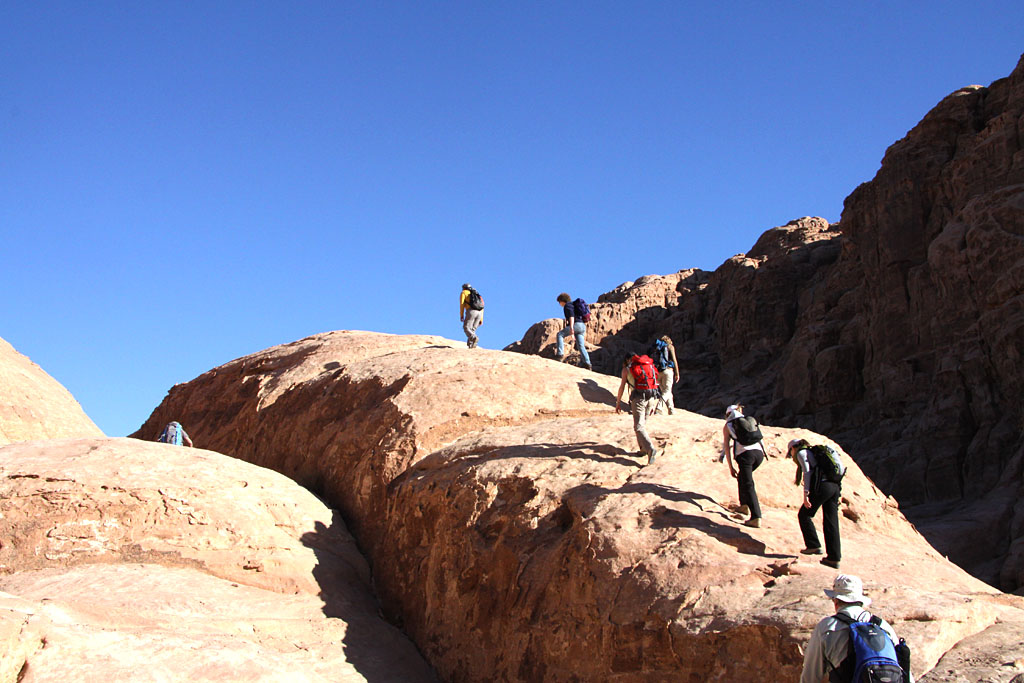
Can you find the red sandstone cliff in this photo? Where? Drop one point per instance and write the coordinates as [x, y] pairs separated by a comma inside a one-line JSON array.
[[897, 331]]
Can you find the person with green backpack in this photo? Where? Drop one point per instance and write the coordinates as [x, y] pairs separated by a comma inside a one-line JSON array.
[[821, 470]]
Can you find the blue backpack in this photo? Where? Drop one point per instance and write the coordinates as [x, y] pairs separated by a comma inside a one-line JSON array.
[[580, 310], [171, 434], [661, 356], [872, 656]]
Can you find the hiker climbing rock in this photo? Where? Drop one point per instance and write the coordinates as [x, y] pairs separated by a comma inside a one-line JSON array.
[[852, 644], [822, 472], [664, 354], [639, 373], [741, 438], [577, 315], [174, 434], [471, 313]]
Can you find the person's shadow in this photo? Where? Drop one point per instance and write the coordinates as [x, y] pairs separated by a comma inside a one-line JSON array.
[[592, 392]]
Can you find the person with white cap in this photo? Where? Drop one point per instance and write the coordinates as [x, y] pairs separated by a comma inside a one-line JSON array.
[[743, 445], [828, 652], [819, 492]]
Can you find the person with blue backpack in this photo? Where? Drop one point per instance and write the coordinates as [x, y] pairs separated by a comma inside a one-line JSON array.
[[664, 354], [175, 435], [577, 315], [852, 645]]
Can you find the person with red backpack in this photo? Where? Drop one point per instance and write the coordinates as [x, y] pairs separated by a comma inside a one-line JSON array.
[[577, 315], [640, 374]]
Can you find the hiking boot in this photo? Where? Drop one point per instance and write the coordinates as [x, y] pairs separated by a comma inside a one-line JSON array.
[[590, 367], [561, 359], [651, 457], [830, 562], [811, 551], [754, 522], [742, 511]]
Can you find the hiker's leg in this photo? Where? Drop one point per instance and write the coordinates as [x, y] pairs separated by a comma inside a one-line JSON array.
[[745, 462], [469, 327], [638, 406], [665, 379], [806, 518], [580, 330], [810, 534], [830, 520], [560, 339]]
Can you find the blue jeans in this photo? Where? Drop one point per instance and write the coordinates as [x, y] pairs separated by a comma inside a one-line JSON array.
[[580, 330]]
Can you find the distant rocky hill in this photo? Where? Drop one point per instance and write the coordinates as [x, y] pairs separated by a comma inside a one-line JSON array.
[[897, 331], [513, 534], [33, 405]]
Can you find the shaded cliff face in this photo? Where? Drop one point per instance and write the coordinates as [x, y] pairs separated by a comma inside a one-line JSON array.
[[514, 535], [34, 405], [897, 331]]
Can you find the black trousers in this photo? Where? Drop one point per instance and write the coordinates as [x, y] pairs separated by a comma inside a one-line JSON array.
[[824, 495], [746, 463]]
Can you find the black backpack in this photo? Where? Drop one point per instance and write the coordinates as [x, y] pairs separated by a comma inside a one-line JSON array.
[[475, 301], [747, 431], [827, 462]]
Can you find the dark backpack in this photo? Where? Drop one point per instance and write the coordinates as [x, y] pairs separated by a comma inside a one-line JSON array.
[[660, 354], [580, 310], [475, 301], [642, 369], [827, 462], [747, 431], [872, 655]]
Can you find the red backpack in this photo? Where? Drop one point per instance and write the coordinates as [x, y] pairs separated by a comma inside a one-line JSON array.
[[642, 368]]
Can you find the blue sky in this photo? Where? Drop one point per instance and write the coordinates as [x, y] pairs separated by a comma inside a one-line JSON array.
[[184, 183]]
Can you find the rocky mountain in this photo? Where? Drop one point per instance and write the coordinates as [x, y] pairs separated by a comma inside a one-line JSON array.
[[897, 331], [513, 533], [34, 405]]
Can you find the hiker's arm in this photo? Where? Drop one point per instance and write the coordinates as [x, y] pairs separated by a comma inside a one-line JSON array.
[[675, 364], [184, 437], [618, 396], [726, 450]]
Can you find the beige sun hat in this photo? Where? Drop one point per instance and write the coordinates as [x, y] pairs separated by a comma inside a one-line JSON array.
[[848, 588]]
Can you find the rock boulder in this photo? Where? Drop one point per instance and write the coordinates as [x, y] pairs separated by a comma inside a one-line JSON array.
[[514, 534]]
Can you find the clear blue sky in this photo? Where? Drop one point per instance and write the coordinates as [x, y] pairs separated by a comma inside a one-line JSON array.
[[184, 183]]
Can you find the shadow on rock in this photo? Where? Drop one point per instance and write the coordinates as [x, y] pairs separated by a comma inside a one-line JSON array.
[[376, 649], [592, 392]]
